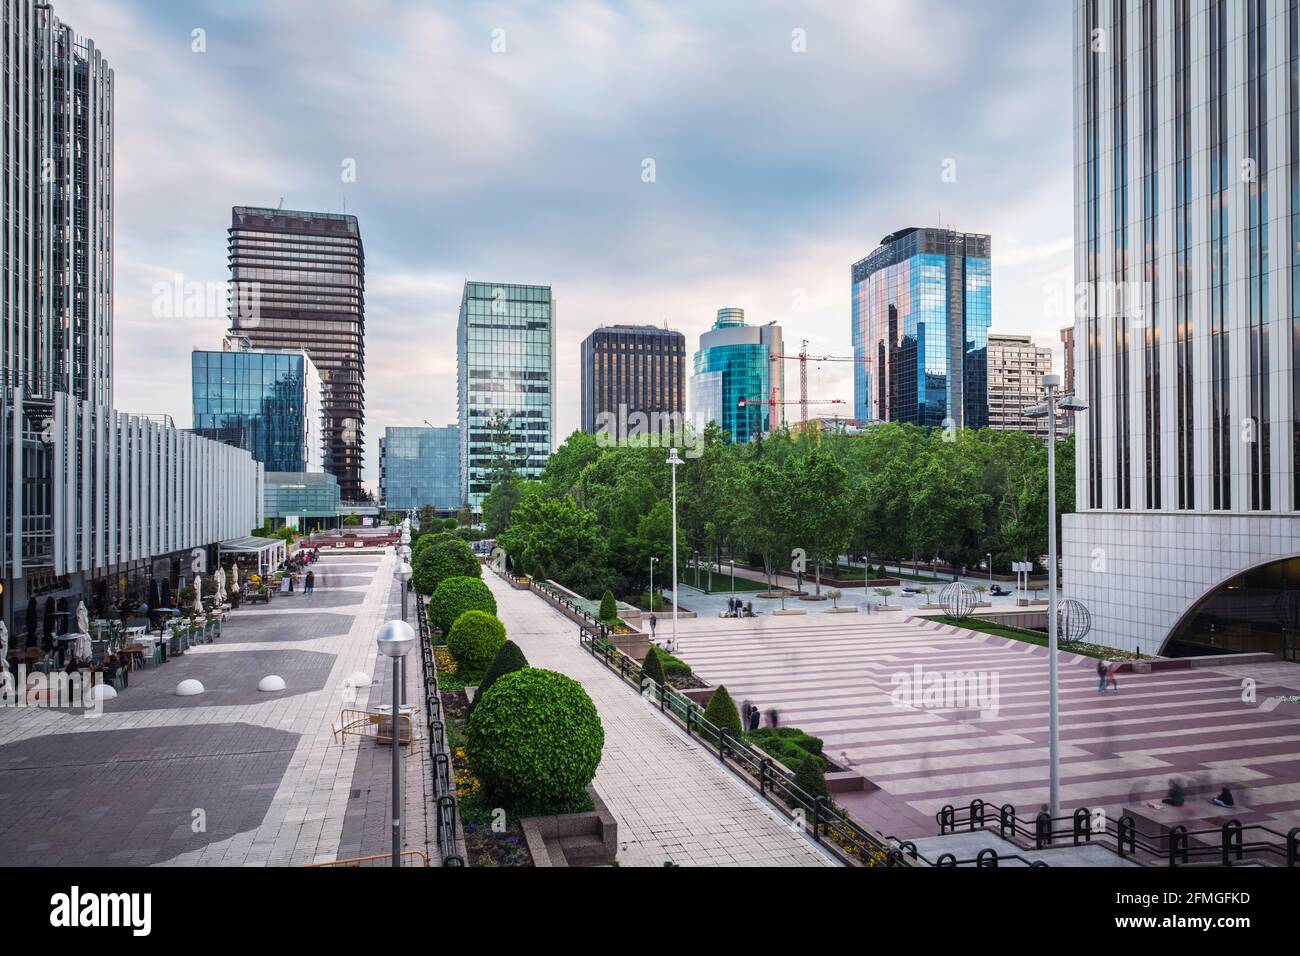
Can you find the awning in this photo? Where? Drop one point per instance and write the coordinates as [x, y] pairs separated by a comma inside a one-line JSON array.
[[249, 545]]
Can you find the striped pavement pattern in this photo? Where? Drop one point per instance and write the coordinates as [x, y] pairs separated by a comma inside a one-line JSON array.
[[843, 682]]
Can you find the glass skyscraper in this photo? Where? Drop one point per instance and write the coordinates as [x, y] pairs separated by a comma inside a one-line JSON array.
[[268, 403], [298, 282], [418, 467], [736, 379], [505, 363], [922, 306]]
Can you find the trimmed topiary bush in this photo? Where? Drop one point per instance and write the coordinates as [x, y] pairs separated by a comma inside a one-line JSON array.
[[425, 541], [722, 712], [508, 660], [474, 639], [608, 608], [810, 778], [652, 666], [534, 741], [446, 559], [454, 596]]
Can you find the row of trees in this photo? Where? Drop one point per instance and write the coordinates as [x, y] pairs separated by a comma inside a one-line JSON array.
[[896, 492]]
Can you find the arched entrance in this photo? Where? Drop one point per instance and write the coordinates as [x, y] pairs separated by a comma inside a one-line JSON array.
[[1256, 610]]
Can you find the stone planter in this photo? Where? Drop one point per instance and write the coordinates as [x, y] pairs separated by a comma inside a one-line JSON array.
[[573, 839], [841, 610], [789, 612]]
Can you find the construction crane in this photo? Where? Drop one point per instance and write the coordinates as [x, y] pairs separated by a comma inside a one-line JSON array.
[[772, 402], [804, 358]]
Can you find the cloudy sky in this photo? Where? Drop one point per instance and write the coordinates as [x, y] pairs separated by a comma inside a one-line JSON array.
[[506, 142]]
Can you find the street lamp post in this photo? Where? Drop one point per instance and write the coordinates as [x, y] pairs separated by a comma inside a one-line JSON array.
[[733, 579], [653, 559], [1048, 409], [402, 574], [990, 560], [674, 461], [395, 640]]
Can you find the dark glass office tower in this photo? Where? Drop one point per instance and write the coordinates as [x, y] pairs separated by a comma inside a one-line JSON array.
[[631, 368], [298, 282], [921, 313]]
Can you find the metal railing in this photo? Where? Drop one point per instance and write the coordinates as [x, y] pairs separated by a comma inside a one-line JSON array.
[[1230, 843], [444, 788]]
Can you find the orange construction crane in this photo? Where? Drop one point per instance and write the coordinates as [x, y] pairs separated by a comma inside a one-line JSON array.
[[804, 358]]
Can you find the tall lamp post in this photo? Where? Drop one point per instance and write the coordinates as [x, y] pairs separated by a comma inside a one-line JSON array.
[[674, 461], [1048, 409], [395, 640], [990, 560], [653, 559]]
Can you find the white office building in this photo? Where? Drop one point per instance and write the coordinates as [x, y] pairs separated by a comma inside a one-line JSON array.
[[1187, 343]]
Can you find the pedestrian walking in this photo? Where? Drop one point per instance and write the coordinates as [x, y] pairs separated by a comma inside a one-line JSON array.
[[309, 583], [653, 622], [754, 718], [1101, 677], [773, 717], [1111, 671]]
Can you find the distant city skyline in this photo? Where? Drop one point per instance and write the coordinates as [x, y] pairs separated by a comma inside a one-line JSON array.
[[763, 192]]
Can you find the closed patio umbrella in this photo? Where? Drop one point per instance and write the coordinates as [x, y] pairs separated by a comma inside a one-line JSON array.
[[83, 618], [155, 599], [165, 594], [198, 594]]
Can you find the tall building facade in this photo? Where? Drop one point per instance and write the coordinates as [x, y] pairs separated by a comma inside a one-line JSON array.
[[1016, 370], [267, 403], [418, 467], [56, 157], [1187, 235], [922, 305], [738, 381], [505, 365], [631, 369], [93, 502], [298, 281]]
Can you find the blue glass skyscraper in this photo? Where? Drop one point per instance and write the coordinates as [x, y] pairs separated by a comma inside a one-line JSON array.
[[736, 382], [420, 466], [266, 402], [922, 306]]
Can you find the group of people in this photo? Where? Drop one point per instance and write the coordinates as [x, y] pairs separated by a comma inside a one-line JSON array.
[[738, 608], [296, 563], [1177, 796], [752, 718], [1106, 676]]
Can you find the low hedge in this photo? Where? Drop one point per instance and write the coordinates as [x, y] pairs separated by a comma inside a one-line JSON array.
[[454, 596], [534, 741], [474, 640], [790, 745]]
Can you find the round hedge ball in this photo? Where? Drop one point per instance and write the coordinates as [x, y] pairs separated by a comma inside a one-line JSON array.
[[454, 596], [535, 738], [474, 640], [443, 560]]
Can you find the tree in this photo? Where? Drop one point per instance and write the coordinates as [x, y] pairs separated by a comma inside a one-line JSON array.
[[446, 559], [820, 508], [608, 608], [652, 667], [722, 713], [556, 534], [351, 520], [474, 640], [811, 778], [508, 660]]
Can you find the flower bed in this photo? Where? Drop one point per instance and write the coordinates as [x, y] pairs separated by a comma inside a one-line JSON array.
[[489, 840]]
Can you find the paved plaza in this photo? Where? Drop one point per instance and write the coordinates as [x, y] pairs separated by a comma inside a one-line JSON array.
[[235, 776], [833, 676], [672, 799]]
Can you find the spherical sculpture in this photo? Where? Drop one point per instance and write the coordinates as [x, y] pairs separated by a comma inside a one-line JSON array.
[[958, 600], [1073, 620], [534, 740]]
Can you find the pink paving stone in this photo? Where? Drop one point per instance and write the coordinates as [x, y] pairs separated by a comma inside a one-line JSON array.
[[835, 680]]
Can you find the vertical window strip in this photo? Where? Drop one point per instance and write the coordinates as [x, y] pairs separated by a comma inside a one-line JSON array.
[[1150, 248]]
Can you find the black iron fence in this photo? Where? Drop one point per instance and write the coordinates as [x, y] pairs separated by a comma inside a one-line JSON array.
[[444, 787], [1230, 843]]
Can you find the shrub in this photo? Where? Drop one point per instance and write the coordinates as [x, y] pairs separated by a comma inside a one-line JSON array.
[[449, 524], [652, 666], [608, 608], [445, 559], [534, 741], [508, 660], [673, 667], [810, 778], [424, 541], [454, 596], [790, 745], [722, 712], [474, 639]]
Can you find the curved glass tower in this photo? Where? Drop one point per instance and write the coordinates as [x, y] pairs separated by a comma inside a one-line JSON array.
[[736, 382]]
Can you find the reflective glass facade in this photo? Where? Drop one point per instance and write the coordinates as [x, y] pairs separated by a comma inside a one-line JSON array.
[[505, 362], [301, 495], [922, 306], [418, 467], [268, 403], [736, 379]]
